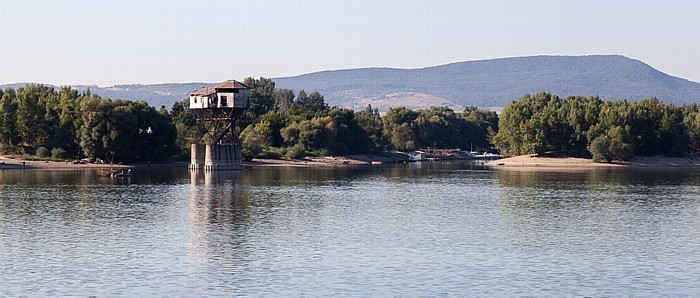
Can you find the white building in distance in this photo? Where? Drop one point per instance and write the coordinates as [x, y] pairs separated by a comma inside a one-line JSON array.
[[229, 94]]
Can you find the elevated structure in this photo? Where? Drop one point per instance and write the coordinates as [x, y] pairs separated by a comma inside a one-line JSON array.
[[216, 109]]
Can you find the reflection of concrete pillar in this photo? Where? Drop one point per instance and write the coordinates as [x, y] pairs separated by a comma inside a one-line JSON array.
[[198, 155], [222, 157]]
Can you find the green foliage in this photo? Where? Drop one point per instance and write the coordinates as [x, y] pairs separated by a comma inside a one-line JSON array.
[[485, 123], [9, 138], [616, 144], [370, 135], [277, 124], [295, 151], [261, 99], [80, 124], [284, 99], [185, 126], [256, 139], [605, 130], [44, 159], [42, 152], [58, 153]]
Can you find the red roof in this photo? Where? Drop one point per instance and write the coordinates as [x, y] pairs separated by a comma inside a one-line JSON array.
[[204, 91], [230, 84]]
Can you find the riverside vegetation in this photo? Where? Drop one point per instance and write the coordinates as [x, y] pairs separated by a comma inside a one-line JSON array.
[[590, 126], [40, 120]]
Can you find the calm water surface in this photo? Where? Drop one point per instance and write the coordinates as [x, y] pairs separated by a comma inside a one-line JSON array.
[[431, 229]]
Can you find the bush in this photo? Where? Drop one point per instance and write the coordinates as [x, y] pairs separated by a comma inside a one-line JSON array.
[[42, 152], [272, 152], [616, 144], [295, 151], [58, 153]]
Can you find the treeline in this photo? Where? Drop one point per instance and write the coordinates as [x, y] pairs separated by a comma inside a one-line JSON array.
[[590, 126], [39, 120], [64, 123], [282, 123]]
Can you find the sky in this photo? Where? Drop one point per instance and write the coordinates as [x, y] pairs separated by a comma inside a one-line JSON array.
[[105, 43]]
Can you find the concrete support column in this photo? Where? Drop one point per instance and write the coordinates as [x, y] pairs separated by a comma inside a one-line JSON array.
[[197, 156], [222, 157]]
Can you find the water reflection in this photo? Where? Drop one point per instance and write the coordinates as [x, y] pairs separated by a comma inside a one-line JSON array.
[[421, 229], [591, 221], [217, 197]]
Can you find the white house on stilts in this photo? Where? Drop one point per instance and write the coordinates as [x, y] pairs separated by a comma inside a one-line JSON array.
[[216, 109]]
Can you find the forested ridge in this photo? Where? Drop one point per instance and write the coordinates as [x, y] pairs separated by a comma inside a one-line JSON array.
[[592, 127], [65, 123], [485, 83]]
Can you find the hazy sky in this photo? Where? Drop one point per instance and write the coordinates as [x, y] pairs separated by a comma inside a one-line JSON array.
[[120, 42]]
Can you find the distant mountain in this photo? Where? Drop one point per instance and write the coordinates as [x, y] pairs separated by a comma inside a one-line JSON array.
[[494, 83], [485, 83], [156, 95]]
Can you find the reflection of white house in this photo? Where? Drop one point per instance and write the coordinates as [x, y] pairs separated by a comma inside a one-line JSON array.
[[229, 94]]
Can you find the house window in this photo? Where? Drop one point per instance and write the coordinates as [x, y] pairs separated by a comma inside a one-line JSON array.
[[212, 100], [224, 101], [195, 100]]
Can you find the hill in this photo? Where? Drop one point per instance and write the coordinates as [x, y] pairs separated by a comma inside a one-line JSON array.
[[490, 83], [156, 95], [485, 83]]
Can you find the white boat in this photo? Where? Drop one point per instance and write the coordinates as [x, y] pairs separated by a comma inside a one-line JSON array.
[[486, 155]]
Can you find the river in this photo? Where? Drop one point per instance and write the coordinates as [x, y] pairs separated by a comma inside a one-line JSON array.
[[409, 230]]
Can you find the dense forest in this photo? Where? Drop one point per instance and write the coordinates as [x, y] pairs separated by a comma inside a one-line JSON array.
[[39, 120], [281, 123], [43, 121], [605, 130]]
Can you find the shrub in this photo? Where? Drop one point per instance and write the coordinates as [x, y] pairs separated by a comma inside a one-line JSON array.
[[42, 152], [272, 152], [295, 151], [616, 144], [58, 152]]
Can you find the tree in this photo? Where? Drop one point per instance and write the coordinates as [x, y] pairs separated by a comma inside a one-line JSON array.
[[284, 99], [370, 122], [261, 100], [403, 137], [614, 145], [255, 139], [8, 113], [485, 124], [31, 110]]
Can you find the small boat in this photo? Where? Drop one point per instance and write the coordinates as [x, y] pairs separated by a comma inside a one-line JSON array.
[[486, 155]]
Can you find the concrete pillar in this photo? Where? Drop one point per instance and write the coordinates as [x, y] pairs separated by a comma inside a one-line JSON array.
[[222, 157], [197, 156]]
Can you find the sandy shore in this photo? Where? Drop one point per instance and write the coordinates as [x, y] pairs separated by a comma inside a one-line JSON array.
[[14, 162], [523, 162], [533, 162], [320, 161]]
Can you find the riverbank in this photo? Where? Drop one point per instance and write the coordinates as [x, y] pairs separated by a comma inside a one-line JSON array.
[[16, 162], [535, 162], [322, 161]]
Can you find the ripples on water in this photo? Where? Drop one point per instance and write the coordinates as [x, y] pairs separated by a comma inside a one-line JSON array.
[[436, 229]]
